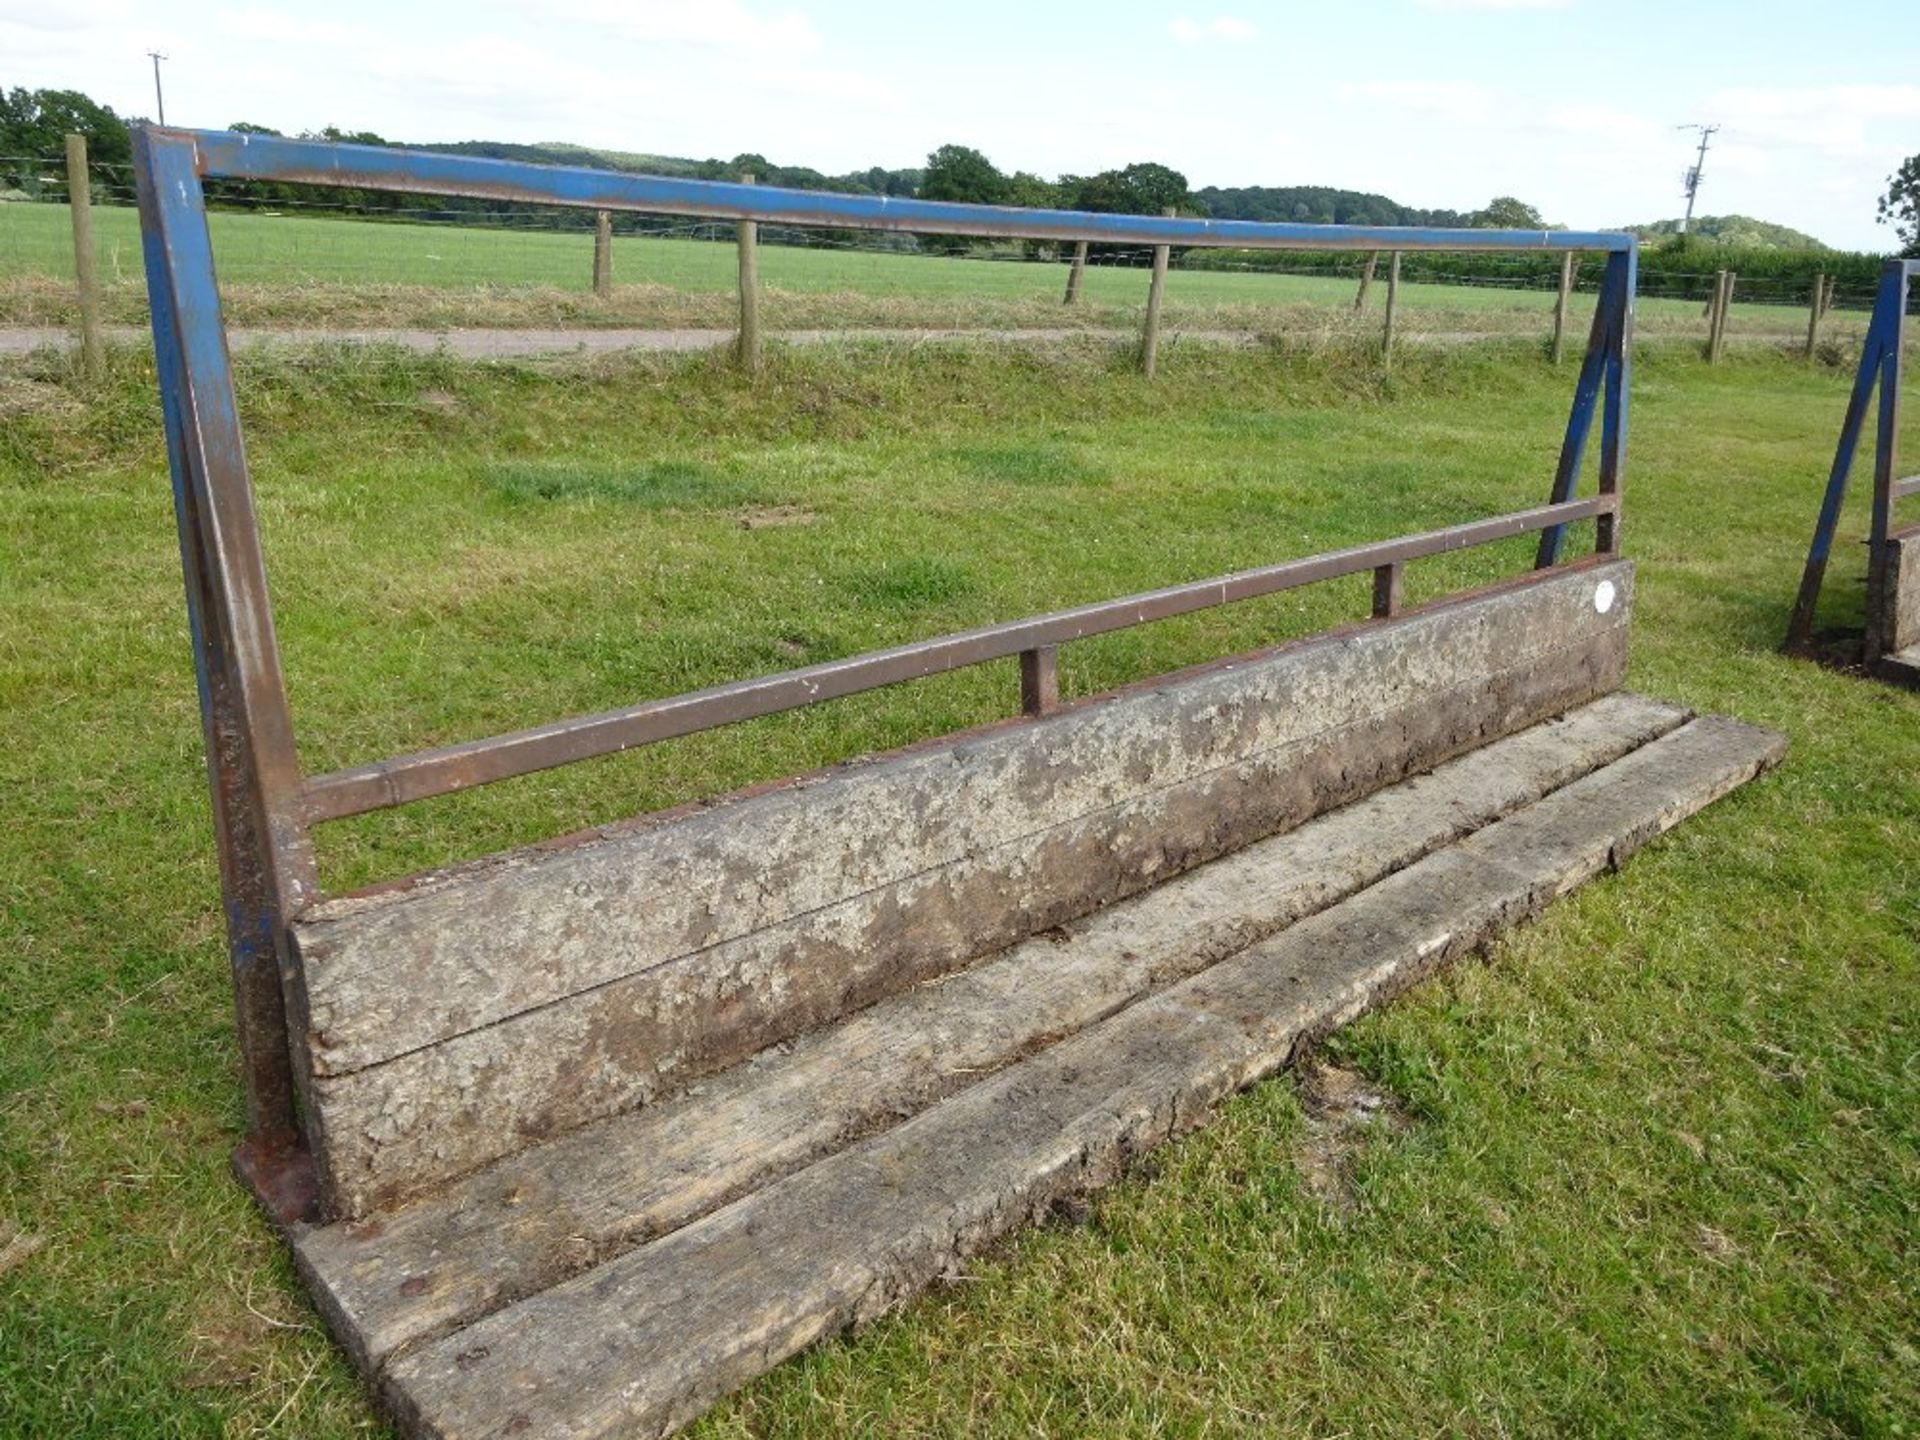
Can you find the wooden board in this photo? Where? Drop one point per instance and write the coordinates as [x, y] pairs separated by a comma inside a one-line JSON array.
[[483, 1010], [1893, 622], [644, 1342], [535, 1217]]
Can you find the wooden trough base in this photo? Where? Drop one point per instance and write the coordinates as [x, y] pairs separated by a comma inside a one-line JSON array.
[[617, 1279], [1893, 623], [1902, 667]]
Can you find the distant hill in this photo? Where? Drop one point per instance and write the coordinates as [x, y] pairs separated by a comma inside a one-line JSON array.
[[1742, 230], [875, 181]]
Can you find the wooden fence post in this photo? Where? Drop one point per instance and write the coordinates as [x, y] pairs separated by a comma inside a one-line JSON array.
[[1719, 317], [1713, 313], [1150, 338], [87, 280], [603, 254], [747, 349], [1713, 300], [1562, 307], [1393, 308], [1366, 282], [1717, 335], [1077, 273], [1814, 312], [1826, 298]]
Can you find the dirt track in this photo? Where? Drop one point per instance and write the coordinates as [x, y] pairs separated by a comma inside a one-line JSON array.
[[488, 344], [502, 344]]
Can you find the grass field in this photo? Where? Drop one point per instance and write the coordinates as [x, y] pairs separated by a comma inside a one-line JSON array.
[[1662, 1155], [292, 269]]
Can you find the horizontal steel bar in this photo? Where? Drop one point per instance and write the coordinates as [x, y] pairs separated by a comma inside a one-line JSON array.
[[312, 162], [479, 762]]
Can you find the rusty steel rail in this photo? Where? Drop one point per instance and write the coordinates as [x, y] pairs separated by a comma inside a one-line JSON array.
[[479, 762], [265, 808]]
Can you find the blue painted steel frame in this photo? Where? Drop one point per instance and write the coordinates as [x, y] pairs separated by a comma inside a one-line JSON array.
[[266, 860], [1605, 370], [264, 806], [1879, 373], [265, 157]]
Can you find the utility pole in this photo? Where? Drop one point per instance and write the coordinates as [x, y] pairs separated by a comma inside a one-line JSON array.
[[159, 100], [1696, 170]]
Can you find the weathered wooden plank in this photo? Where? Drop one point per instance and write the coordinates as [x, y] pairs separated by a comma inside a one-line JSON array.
[[542, 1214], [643, 1343], [1901, 668], [389, 973], [447, 1108], [1896, 625]]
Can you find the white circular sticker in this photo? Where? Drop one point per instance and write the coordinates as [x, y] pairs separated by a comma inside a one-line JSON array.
[[1603, 596]]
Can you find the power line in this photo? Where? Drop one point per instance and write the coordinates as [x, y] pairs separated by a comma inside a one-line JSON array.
[[1696, 171], [159, 100]]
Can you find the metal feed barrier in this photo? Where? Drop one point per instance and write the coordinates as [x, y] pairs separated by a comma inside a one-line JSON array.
[[575, 1139], [1892, 640], [264, 804]]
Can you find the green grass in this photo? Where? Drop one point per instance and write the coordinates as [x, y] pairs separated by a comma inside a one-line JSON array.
[[297, 269], [1663, 1165]]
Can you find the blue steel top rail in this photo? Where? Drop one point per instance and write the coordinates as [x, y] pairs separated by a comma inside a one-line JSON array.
[[229, 156]]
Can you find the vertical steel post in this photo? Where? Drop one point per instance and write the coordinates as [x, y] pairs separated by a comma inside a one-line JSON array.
[[1387, 591], [1886, 454], [1623, 272], [1040, 680], [266, 860]]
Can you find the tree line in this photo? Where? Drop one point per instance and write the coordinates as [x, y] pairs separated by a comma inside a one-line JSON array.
[[34, 125]]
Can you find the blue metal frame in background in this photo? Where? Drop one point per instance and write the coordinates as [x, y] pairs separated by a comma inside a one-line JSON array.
[[264, 807], [1880, 357], [269, 157]]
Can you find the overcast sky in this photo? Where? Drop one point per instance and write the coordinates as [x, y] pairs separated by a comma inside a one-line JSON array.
[[1570, 104]]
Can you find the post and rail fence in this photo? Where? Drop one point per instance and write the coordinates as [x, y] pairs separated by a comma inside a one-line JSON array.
[[80, 186]]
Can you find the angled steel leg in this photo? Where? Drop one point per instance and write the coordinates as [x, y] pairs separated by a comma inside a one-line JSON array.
[[1886, 454], [1887, 312], [1603, 365], [266, 861]]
